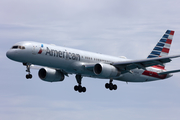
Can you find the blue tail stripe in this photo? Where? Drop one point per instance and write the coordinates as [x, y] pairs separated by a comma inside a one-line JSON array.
[[165, 36], [160, 44], [151, 56], [163, 40], [155, 53], [168, 31], [159, 49]]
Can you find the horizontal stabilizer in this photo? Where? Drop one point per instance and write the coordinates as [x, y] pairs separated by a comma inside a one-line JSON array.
[[167, 72]]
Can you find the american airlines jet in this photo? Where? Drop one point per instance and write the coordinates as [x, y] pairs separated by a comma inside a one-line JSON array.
[[58, 62]]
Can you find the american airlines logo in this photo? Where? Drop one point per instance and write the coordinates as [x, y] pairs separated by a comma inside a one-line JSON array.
[[62, 54], [40, 51]]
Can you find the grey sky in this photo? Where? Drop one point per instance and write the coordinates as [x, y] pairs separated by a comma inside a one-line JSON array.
[[115, 27]]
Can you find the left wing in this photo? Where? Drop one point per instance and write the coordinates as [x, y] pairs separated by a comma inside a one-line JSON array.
[[142, 64]]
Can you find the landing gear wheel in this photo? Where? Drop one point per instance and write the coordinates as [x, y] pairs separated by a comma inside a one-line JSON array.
[[111, 86], [84, 89], [76, 88], [79, 88], [28, 76], [107, 85], [115, 87]]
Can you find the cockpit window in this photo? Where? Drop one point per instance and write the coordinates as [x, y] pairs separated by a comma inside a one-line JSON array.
[[21, 47], [18, 47], [15, 47]]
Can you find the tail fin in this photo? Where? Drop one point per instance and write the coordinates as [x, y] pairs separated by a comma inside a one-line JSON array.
[[163, 46]]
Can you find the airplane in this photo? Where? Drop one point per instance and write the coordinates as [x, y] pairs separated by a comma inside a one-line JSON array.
[[58, 62]]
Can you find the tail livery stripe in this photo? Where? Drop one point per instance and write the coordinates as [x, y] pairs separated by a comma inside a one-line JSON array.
[[162, 48], [166, 50], [172, 32], [168, 41]]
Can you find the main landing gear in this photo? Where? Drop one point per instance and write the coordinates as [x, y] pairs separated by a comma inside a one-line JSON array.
[[78, 87], [28, 76], [110, 85]]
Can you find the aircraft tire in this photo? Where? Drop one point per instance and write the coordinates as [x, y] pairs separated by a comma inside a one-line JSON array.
[[111, 86], [28, 76], [79, 89], [115, 87], [83, 89], [107, 85], [76, 88]]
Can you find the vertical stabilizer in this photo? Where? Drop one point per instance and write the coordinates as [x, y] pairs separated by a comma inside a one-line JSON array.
[[163, 46]]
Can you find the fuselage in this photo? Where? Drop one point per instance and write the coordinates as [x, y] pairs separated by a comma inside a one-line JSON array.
[[74, 61]]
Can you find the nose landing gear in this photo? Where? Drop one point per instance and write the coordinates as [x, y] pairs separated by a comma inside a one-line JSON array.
[[29, 75]]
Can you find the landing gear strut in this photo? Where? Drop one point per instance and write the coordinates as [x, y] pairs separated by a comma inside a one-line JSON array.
[[78, 87], [110, 85], [29, 75]]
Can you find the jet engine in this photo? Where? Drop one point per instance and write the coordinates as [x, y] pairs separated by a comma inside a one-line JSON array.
[[106, 70], [50, 75]]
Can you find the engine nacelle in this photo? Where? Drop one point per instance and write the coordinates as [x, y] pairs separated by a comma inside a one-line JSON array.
[[106, 70], [50, 75]]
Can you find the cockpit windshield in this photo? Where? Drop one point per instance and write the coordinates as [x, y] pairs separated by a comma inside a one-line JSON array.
[[18, 47]]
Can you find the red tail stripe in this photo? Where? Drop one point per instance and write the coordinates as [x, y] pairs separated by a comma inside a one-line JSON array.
[[172, 33], [169, 41], [166, 50]]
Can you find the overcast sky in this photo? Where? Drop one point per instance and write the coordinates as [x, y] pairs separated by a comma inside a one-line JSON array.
[[128, 28]]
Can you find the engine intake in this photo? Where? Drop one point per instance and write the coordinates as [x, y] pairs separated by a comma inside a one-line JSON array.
[[106, 70], [50, 75]]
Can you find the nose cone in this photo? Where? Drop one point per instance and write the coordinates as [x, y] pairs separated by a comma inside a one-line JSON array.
[[10, 54]]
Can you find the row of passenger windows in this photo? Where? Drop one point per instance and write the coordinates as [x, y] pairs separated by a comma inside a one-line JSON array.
[[18, 47], [95, 59]]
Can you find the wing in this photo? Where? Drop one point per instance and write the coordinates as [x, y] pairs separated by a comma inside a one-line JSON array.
[[142, 64]]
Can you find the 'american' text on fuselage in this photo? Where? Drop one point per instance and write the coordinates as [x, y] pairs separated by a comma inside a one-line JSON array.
[[63, 54]]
